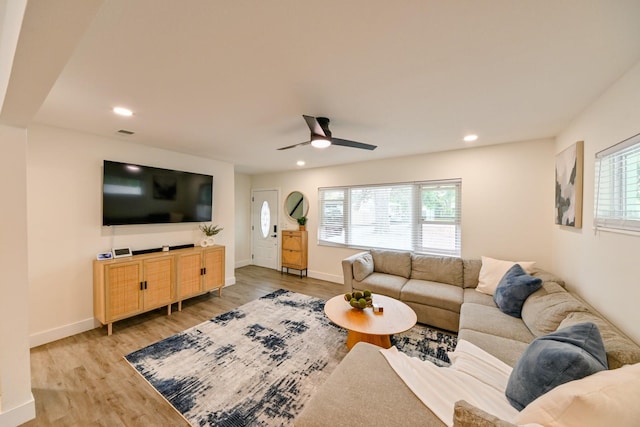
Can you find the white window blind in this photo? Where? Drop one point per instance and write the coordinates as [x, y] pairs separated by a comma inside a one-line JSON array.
[[617, 186], [422, 217]]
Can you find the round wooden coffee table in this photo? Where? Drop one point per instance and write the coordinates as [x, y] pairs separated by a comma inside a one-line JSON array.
[[365, 325]]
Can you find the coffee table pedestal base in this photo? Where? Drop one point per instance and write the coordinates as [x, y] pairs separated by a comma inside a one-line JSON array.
[[354, 337]]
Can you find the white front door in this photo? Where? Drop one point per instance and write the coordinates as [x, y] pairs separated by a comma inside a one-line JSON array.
[[264, 228]]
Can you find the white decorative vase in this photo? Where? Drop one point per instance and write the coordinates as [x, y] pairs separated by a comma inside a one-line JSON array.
[[207, 241]]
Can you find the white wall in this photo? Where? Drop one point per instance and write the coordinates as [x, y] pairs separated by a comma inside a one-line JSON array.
[[243, 219], [507, 198], [64, 221], [603, 268], [16, 401]]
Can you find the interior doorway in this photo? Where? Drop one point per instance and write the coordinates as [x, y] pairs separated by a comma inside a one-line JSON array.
[[264, 228]]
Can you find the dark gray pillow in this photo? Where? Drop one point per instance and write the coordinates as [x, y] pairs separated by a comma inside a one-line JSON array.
[[565, 355], [513, 289]]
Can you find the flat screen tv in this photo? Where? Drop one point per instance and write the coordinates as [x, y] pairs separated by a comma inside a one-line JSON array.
[[137, 194]]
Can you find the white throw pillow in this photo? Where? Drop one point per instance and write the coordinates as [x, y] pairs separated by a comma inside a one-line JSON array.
[[493, 270], [606, 398]]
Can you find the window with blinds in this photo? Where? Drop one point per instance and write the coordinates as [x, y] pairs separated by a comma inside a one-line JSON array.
[[617, 198], [422, 217]]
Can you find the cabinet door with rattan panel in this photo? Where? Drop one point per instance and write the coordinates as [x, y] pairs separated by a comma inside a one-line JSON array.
[[214, 269], [158, 282], [189, 278], [122, 289]]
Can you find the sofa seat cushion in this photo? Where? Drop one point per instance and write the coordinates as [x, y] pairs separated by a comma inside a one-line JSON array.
[[474, 297], [543, 311], [392, 262], [433, 294], [505, 349], [381, 283], [437, 269], [492, 321], [620, 349]]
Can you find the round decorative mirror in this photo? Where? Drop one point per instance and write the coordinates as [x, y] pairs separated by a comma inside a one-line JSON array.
[[296, 205]]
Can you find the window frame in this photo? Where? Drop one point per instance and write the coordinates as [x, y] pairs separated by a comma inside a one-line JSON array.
[[340, 233], [613, 209]]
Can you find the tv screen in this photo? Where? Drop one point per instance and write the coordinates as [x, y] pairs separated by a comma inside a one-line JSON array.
[[136, 194]]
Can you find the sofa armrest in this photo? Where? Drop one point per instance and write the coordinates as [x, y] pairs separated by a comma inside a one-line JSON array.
[[467, 415], [347, 270]]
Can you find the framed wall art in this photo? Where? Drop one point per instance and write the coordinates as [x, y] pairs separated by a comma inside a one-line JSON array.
[[569, 176]]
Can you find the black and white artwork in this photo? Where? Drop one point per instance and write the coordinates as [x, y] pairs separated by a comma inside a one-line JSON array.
[[569, 165]]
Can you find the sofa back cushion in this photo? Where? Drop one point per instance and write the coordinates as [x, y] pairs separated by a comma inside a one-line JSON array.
[[437, 269], [392, 262], [620, 349], [362, 267], [471, 272], [546, 308]]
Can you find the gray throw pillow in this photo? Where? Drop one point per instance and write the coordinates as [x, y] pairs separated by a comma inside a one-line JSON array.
[[565, 355], [513, 289], [362, 267]]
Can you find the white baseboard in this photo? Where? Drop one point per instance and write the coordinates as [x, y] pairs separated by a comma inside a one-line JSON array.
[[243, 263], [64, 331], [324, 276], [19, 415], [230, 281]]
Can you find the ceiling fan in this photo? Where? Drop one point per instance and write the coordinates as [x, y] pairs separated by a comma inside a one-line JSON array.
[[321, 136]]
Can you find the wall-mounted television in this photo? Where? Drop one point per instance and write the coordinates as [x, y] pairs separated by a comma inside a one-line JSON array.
[[137, 194]]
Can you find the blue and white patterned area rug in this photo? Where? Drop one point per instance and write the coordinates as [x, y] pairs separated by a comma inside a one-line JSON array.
[[259, 364]]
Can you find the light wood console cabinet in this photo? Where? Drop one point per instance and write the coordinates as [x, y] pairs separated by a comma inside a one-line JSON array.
[[125, 287], [294, 250]]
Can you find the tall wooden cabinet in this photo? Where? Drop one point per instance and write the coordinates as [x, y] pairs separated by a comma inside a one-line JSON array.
[[294, 250], [125, 287]]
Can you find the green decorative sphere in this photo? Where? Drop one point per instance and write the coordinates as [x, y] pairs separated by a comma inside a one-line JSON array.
[[359, 299]]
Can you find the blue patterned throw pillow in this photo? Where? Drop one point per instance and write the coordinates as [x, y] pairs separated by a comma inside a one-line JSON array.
[[514, 288], [565, 355]]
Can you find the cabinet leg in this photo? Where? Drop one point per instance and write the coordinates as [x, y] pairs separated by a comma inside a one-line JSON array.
[[109, 328], [169, 310], [179, 305], [220, 292]]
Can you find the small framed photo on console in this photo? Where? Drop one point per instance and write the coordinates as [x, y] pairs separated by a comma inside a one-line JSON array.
[[104, 256], [121, 252]]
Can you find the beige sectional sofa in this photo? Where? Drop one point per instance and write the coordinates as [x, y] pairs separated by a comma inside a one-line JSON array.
[[365, 390]]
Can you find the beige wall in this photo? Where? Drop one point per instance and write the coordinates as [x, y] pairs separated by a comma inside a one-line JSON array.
[[16, 400], [603, 267], [64, 221], [243, 220], [507, 198]]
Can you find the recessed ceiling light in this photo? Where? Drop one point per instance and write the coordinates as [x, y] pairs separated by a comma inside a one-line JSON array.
[[121, 111], [300, 163], [470, 138]]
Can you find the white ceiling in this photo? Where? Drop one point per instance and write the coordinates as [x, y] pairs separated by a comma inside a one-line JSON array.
[[230, 80]]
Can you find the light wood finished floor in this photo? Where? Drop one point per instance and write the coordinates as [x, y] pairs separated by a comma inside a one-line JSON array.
[[84, 380]]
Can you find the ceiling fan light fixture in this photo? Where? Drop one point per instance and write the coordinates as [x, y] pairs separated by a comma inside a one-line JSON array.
[[320, 142]]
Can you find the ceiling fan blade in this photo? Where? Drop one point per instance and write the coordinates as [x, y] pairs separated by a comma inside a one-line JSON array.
[[294, 145], [353, 144], [314, 126]]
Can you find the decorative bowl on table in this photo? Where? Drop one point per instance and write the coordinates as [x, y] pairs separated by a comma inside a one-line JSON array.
[[359, 299]]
